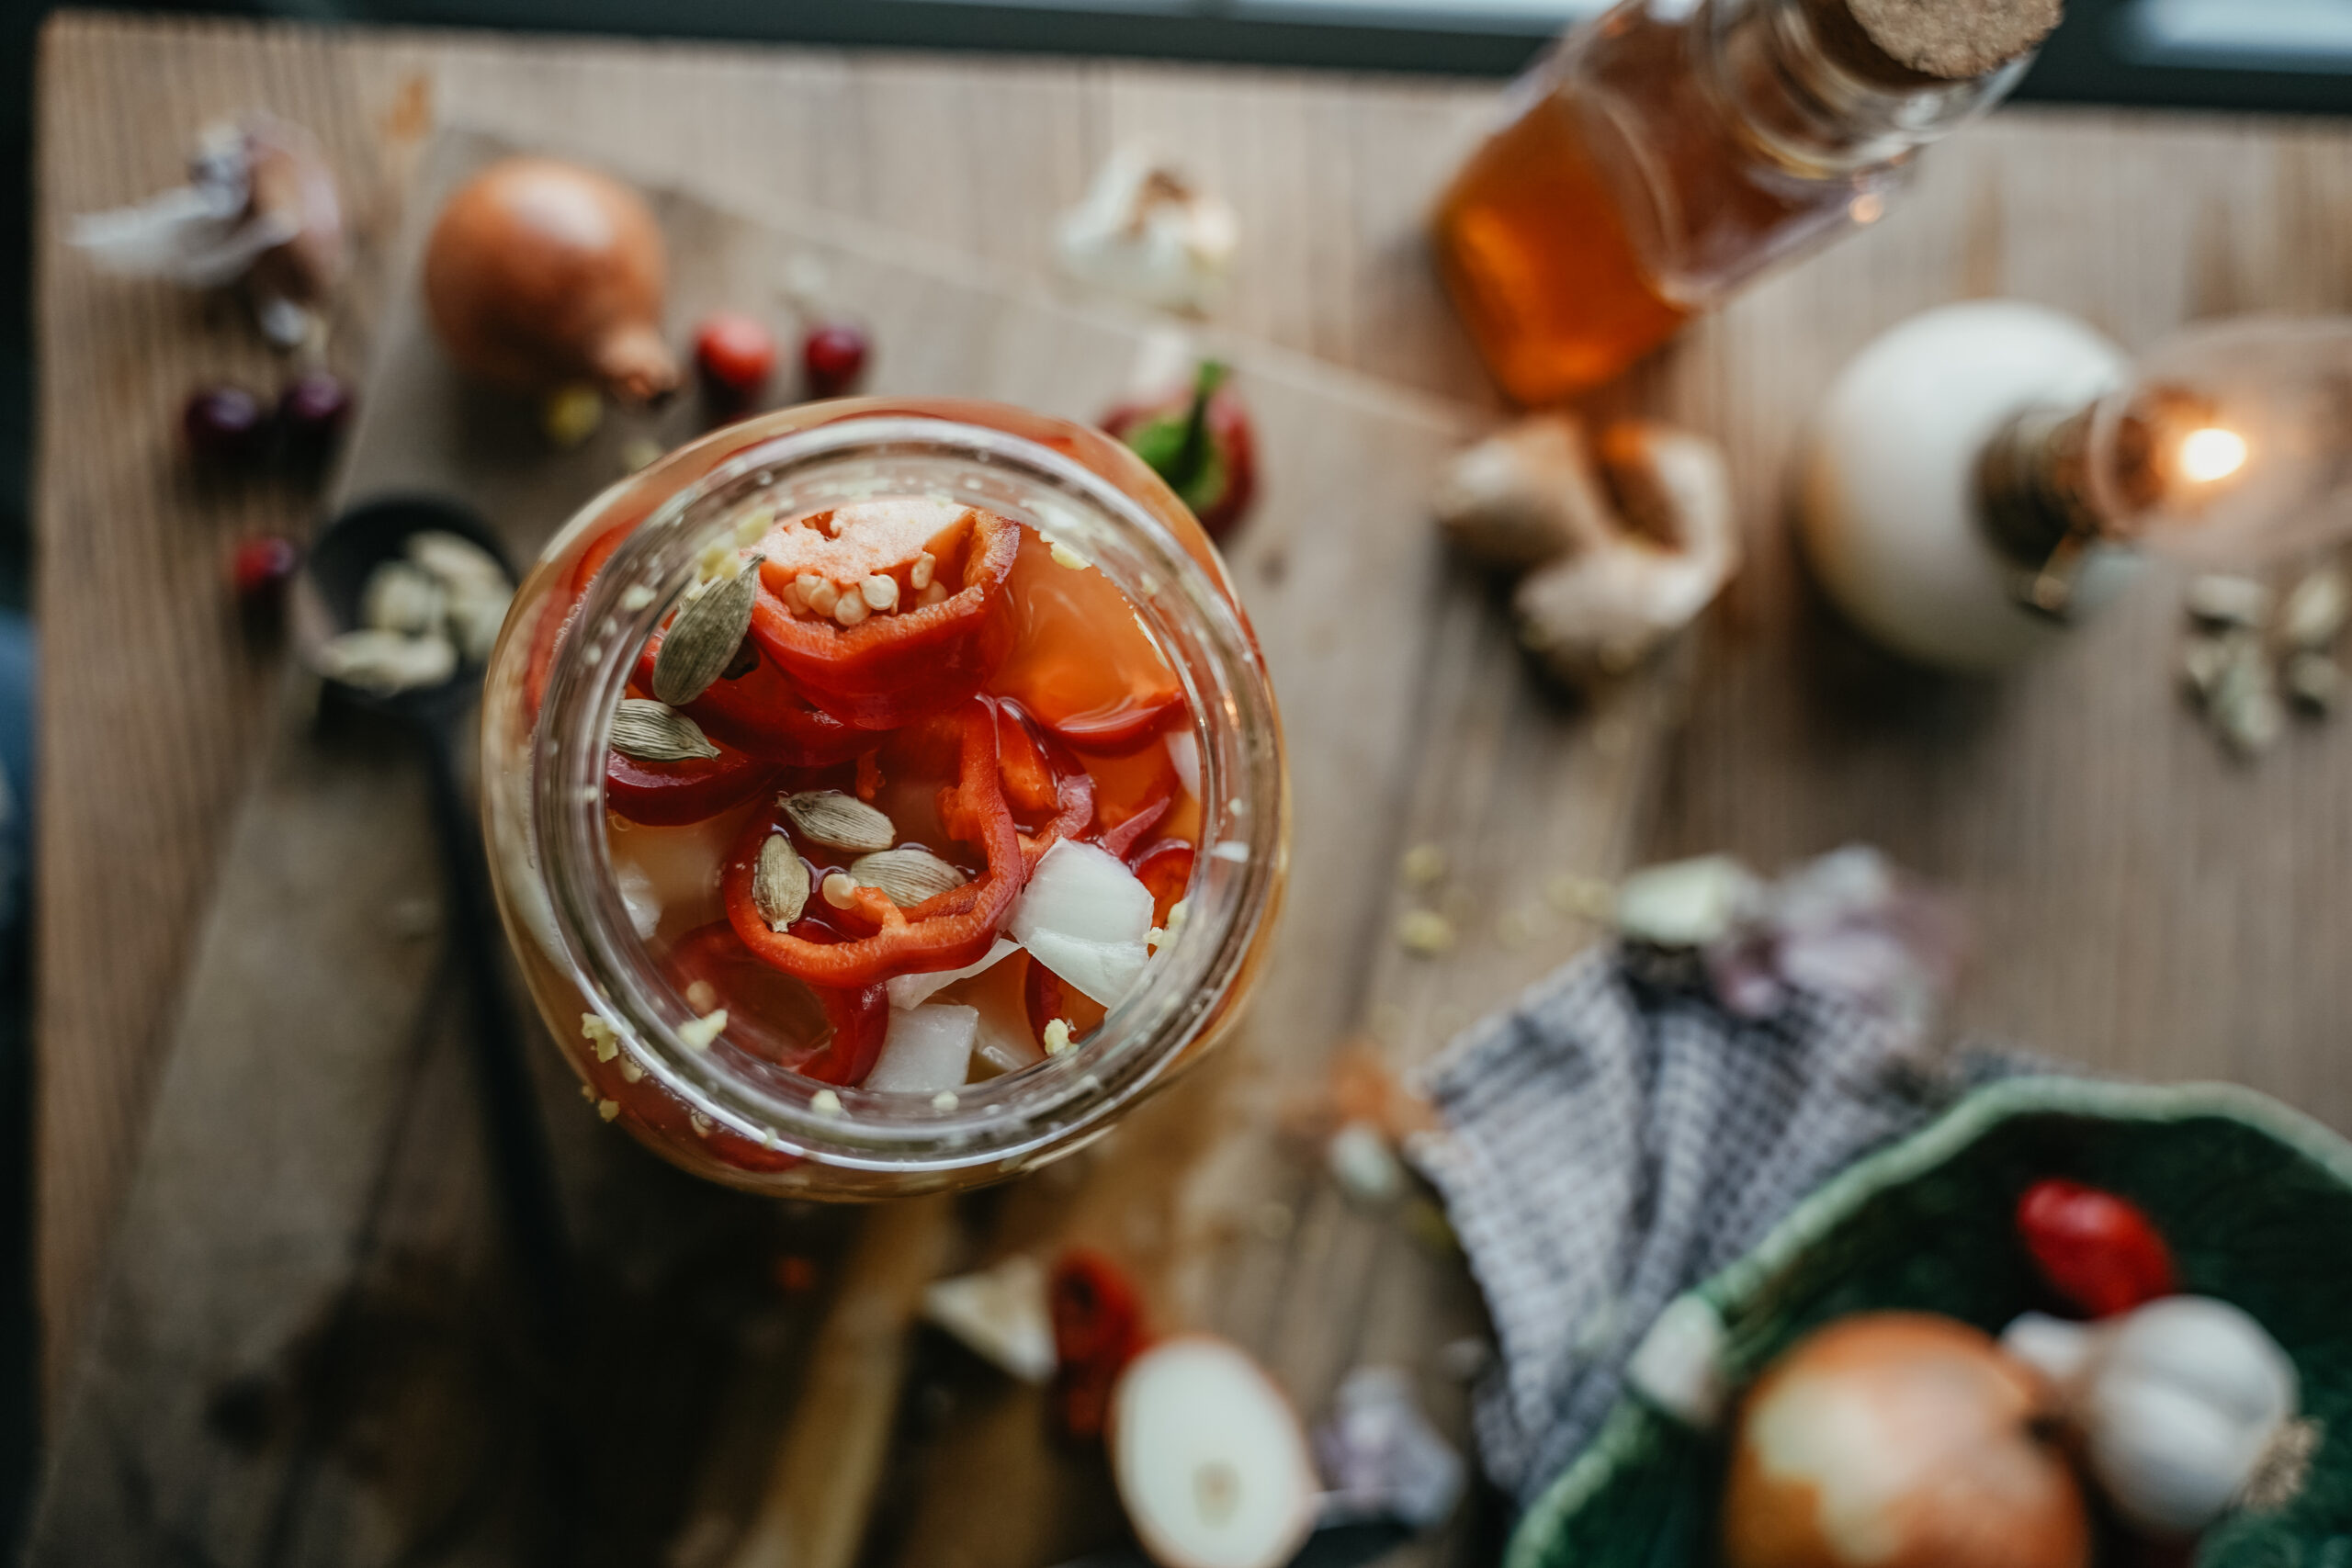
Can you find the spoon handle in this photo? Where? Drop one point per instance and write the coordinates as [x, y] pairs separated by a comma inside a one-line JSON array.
[[520, 1166]]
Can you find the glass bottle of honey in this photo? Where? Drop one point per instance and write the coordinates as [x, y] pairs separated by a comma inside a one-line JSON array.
[[1669, 150]]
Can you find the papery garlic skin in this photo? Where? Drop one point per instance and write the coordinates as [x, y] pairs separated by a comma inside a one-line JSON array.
[[1148, 233], [2176, 1402]]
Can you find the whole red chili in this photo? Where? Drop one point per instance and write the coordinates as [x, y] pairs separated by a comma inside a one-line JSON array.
[[2100, 1252], [1098, 1328]]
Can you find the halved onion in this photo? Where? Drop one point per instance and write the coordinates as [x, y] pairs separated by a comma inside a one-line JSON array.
[[1210, 1459]]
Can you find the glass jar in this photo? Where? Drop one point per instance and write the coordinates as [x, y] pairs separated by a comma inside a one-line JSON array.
[[563, 660], [1661, 156]]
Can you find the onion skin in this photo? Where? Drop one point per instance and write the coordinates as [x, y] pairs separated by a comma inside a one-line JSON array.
[[540, 274], [1900, 1440]]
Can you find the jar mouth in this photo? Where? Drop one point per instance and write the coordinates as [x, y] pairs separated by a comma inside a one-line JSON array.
[[1184, 603]]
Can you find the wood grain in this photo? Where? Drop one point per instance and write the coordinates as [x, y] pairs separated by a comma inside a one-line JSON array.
[[2141, 903]]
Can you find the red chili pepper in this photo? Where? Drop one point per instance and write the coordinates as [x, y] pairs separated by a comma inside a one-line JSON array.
[[669, 795], [2100, 1252], [1167, 869], [1098, 1328], [1046, 996], [1041, 777], [1118, 840], [760, 712], [860, 1019], [943, 932], [891, 669], [1200, 441]]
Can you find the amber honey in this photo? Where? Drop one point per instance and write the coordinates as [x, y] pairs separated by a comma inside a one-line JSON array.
[[1667, 154], [1535, 250]]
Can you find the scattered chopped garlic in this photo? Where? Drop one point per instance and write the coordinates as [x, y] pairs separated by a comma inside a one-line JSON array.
[[1425, 932], [699, 1122], [1232, 850], [591, 794], [1056, 1036], [698, 1036], [1176, 915], [755, 526], [630, 1070], [609, 1109], [588, 1094], [600, 1034], [636, 596], [943, 1100], [1155, 939], [702, 995], [1423, 867], [824, 1103], [1064, 556]]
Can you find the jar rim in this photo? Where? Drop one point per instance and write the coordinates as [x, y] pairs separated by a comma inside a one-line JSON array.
[[1186, 605]]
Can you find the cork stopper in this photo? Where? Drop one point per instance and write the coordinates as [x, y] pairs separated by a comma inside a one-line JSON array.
[[1955, 40]]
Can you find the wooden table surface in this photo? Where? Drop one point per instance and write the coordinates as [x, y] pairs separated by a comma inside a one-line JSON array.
[[2141, 903]]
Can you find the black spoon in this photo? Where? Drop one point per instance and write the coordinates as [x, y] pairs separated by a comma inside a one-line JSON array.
[[345, 554]]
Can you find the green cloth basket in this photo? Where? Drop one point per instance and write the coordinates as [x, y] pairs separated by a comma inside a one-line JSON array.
[[2255, 1200]]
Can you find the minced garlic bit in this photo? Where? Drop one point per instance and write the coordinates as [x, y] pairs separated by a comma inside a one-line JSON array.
[[755, 526], [701, 996], [1056, 1036], [841, 890], [1176, 913], [1064, 556], [1155, 939], [588, 1094], [1425, 932], [609, 1109], [718, 561], [698, 1036], [1423, 867], [636, 596], [824, 1103], [943, 1100], [699, 1122], [600, 1034], [591, 794], [630, 1070]]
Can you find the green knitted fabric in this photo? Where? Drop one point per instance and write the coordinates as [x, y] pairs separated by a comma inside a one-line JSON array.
[[2255, 1200]]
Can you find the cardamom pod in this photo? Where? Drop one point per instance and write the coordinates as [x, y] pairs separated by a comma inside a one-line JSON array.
[[655, 732], [905, 877], [780, 884], [840, 821], [701, 641]]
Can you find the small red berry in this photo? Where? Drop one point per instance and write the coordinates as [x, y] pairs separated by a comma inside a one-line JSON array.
[[736, 352], [312, 411], [833, 355], [225, 424], [261, 568]]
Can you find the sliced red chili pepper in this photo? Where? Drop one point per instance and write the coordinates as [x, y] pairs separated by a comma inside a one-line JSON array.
[[671, 794], [1041, 777], [860, 1019], [1098, 1328], [895, 667], [761, 713], [1046, 998], [944, 932], [1167, 869], [2100, 1252], [1118, 840]]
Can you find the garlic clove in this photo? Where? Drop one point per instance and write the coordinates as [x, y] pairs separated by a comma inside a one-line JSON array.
[[1146, 232]]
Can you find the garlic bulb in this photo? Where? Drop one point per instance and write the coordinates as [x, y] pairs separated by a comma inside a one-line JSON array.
[[2177, 1401], [260, 207], [1146, 233]]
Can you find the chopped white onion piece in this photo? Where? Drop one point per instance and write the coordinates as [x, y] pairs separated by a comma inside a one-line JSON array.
[[1084, 916], [1184, 753], [929, 1048], [914, 990], [1001, 1314]]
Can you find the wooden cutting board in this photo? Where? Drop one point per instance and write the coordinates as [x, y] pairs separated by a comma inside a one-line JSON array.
[[306, 1352]]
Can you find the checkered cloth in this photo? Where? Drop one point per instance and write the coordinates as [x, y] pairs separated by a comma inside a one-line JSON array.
[[1618, 1136]]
